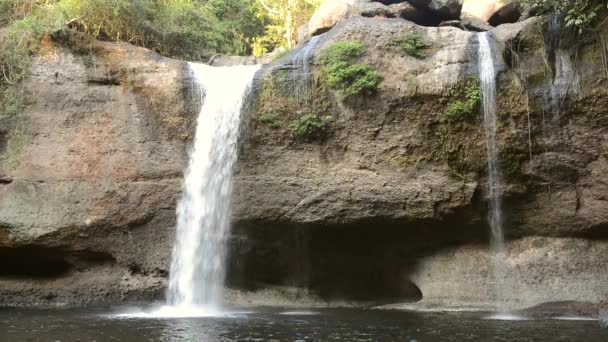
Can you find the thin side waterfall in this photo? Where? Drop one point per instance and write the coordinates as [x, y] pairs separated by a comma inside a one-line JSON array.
[[565, 80], [198, 261], [487, 76], [302, 64]]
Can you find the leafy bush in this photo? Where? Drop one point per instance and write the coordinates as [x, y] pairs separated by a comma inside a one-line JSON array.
[[309, 126], [466, 106], [412, 44], [579, 14], [346, 77], [270, 120]]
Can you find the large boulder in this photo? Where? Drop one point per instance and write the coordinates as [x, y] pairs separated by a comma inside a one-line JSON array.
[[482, 9], [327, 16], [511, 12]]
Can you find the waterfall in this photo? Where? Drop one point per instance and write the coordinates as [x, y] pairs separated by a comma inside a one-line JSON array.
[[302, 66], [487, 76], [564, 80], [198, 260]]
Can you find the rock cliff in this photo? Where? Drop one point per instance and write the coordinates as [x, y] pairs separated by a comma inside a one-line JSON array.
[[388, 206]]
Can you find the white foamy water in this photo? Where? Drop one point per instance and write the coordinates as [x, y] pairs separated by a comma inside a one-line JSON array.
[[299, 313], [574, 318], [487, 76], [506, 317], [197, 273]]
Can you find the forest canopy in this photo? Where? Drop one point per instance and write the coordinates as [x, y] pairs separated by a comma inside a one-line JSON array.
[[186, 29]]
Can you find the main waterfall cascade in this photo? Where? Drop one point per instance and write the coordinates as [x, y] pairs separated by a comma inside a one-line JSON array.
[[487, 76], [198, 260]]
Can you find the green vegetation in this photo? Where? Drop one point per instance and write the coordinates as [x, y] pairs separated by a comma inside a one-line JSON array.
[[309, 127], [285, 18], [14, 151], [466, 105], [579, 14], [187, 29], [346, 77], [270, 120], [412, 44]]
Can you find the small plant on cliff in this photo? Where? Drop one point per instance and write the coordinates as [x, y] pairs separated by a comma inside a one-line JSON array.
[[346, 77], [270, 120], [309, 127], [412, 44], [467, 105]]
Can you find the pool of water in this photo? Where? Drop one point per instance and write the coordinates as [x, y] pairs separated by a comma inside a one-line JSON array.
[[345, 325]]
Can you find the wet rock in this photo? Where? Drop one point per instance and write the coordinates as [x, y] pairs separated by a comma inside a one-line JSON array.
[[4, 179]]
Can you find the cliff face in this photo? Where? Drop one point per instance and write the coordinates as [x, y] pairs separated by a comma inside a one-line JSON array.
[[391, 201], [389, 205], [96, 161]]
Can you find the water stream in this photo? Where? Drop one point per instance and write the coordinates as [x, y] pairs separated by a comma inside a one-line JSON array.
[[198, 259], [302, 71], [487, 76]]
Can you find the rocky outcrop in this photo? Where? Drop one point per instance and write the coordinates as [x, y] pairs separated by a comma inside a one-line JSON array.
[[89, 214], [483, 9], [327, 16], [392, 173]]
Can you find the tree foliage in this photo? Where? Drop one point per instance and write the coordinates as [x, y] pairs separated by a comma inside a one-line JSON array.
[[286, 17], [579, 14]]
